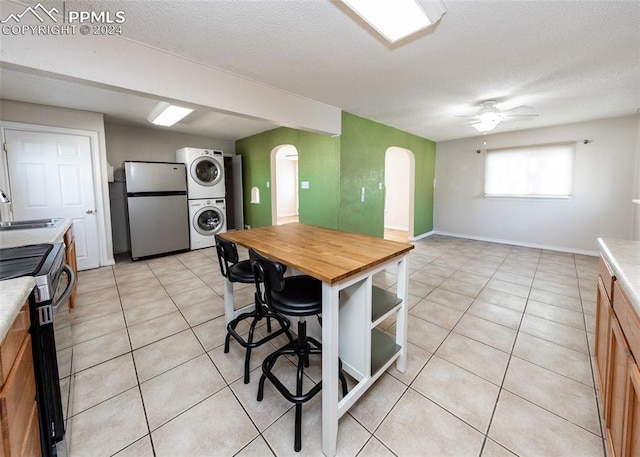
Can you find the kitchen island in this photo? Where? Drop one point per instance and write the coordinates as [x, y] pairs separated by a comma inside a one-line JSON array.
[[352, 307], [617, 348]]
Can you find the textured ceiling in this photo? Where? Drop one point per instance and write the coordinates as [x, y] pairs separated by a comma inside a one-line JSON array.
[[570, 60]]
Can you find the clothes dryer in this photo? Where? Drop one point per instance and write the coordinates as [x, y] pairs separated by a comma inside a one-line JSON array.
[[207, 218], [205, 172]]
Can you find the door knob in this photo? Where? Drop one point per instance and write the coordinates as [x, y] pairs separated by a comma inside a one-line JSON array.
[[89, 211]]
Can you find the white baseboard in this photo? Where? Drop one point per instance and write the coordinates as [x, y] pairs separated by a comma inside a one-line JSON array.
[[422, 236], [518, 243]]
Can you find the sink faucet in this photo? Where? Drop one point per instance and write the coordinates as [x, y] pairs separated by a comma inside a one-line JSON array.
[[3, 197]]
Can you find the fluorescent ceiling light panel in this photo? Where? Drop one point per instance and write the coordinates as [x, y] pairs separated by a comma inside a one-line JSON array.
[[397, 19], [167, 115]]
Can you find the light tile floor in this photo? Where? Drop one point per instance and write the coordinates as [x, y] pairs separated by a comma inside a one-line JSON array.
[[499, 363]]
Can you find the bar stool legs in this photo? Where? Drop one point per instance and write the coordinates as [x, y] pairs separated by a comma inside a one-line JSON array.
[[301, 347], [249, 343]]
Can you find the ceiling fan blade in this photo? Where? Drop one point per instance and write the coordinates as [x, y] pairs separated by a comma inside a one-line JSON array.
[[520, 117], [518, 108]]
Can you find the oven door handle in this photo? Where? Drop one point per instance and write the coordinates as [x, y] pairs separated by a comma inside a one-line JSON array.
[[68, 290]]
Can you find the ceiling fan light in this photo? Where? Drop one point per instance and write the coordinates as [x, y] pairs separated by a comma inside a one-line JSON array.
[[486, 125], [397, 19], [166, 115]]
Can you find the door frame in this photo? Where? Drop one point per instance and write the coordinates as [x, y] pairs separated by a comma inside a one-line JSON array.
[[95, 171]]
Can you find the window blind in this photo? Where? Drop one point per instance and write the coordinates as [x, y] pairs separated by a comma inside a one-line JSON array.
[[543, 171]]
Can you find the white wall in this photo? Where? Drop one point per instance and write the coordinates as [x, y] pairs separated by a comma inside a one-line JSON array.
[[604, 183], [126, 142], [636, 195], [287, 187], [397, 183]]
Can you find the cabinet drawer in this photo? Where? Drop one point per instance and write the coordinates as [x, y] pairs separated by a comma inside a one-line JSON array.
[[607, 277], [629, 320], [12, 342], [17, 400]]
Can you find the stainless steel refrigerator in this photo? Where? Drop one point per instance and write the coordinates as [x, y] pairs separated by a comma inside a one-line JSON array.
[[157, 207]]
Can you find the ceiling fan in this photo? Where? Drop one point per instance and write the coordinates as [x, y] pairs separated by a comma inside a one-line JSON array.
[[489, 116]]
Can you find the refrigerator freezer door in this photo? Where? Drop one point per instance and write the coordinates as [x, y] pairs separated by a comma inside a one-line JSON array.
[[158, 224], [155, 177]]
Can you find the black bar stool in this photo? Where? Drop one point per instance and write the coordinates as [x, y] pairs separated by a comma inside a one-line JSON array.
[[299, 296], [236, 270]]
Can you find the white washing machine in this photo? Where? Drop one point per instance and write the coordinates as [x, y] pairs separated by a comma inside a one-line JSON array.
[[206, 218], [205, 172]]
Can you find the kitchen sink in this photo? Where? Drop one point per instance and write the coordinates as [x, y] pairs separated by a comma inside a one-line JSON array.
[[32, 224]]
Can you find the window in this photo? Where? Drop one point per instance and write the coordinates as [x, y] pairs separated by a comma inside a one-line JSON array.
[[544, 171]]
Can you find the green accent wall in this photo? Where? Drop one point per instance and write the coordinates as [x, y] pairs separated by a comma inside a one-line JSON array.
[[318, 164], [362, 153], [337, 168]]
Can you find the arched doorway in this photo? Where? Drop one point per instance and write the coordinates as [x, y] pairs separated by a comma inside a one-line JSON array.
[[399, 183], [284, 184]]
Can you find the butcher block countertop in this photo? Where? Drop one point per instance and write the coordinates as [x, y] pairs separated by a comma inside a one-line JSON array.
[[326, 254], [14, 292]]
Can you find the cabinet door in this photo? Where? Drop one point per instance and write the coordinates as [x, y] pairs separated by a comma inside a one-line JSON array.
[[603, 324], [619, 358], [632, 417]]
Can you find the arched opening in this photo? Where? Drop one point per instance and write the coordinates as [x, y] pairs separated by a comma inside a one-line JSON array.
[[399, 184], [284, 184], [255, 195]]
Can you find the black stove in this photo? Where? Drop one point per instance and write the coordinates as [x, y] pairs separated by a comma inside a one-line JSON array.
[[42, 261], [46, 263]]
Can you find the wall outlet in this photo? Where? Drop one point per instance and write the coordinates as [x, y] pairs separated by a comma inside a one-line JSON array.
[[304, 184]]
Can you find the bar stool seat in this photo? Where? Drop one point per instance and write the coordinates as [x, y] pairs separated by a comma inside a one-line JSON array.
[[241, 271], [299, 296]]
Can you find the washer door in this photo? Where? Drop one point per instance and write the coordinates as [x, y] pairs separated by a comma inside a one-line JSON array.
[[206, 171], [208, 221]]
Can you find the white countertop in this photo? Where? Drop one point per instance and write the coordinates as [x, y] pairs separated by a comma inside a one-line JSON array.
[[624, 258], [14, 292], [13, 238]]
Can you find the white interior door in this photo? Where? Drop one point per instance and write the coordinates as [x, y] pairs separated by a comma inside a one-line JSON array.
[[50, 175]]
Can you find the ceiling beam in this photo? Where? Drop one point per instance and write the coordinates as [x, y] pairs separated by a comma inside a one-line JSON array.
[[127, 65]]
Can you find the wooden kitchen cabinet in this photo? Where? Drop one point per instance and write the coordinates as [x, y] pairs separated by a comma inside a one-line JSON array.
[[632, 414], [604, 310], [71, 260], [19, 430], [619, 360], [617, 352]]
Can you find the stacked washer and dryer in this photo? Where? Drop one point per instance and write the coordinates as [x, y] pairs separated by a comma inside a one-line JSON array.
[[205, 193]]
